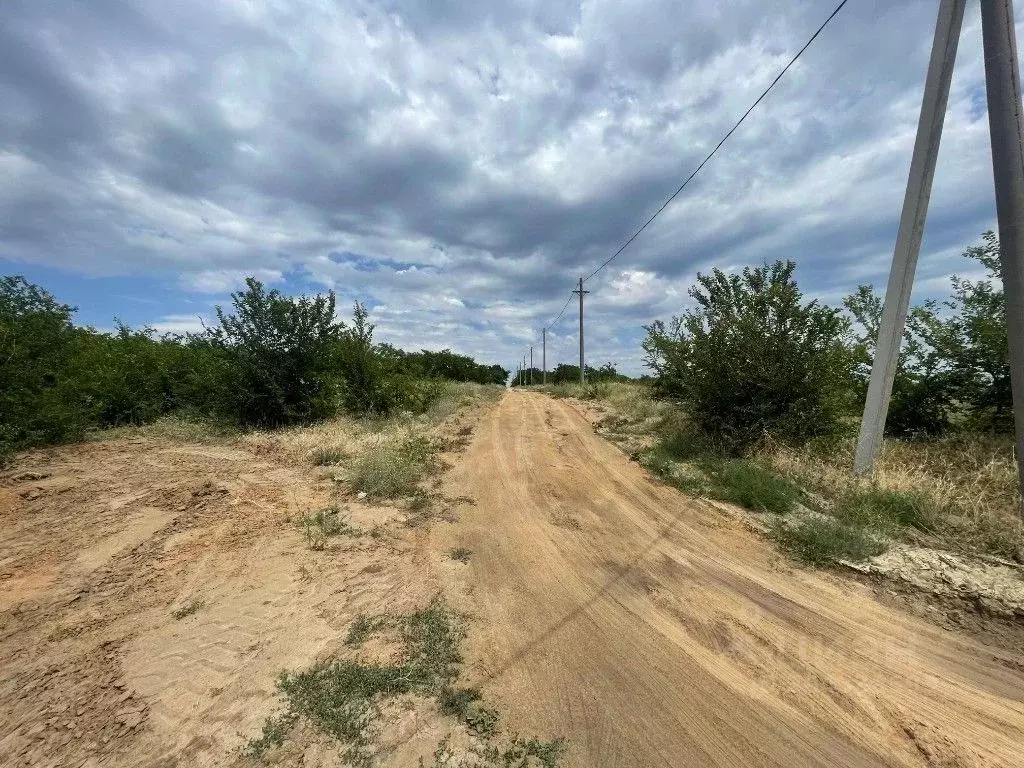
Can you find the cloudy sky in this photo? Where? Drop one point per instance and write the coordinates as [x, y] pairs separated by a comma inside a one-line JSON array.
[[456, 164]]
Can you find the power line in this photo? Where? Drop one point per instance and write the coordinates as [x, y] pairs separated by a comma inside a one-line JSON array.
[[560, 312], [705, 161], [719, 145]]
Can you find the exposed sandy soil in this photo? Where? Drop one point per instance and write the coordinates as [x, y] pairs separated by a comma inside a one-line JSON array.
[[101, 542], [653, 631], [605, 607]]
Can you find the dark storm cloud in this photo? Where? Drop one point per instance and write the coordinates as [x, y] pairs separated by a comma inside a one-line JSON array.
[[472, 155]]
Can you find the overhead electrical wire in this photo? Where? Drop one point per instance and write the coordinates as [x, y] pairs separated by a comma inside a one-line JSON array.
[[719, 144], [711, 154]]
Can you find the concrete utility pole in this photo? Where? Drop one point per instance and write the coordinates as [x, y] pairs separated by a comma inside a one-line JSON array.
[[908, 238], [1006, 128], [531, 365], [580, 291], [544, 353]]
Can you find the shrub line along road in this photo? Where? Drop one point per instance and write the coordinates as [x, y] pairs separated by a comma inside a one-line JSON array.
[[653, 630]]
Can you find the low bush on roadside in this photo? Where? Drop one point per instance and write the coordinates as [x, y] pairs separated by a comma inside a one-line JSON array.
[[393, 469], [821, 540]]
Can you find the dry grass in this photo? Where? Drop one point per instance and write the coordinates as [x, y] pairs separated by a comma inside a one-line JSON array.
[[970, 481], [958, 493]]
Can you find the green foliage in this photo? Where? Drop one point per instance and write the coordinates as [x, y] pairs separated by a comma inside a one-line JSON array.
[[887, 510], [752, 358], [749, 485], [570, 374], [821, 540], [460, 554], [272, 360], [37, 342], [954, 362], [392, 470], [280, 356], [324, 523]]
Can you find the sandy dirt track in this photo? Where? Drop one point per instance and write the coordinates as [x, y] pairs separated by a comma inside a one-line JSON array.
[[652, 630]]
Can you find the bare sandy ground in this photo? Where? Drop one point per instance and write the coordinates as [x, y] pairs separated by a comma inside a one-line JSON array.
[[653, 631], [647, 629], [99, 543]]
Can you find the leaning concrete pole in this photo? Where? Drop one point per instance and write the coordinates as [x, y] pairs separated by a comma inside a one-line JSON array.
[[908, 238], [1006, 128]]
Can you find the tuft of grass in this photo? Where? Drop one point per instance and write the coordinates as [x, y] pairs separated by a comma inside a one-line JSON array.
[[187, 609], [325, 523], [327, 457], [887, 510], [742, 482], [821, 540], [461, 554], [393, 470]]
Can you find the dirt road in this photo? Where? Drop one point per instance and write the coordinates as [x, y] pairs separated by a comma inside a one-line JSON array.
[[654, 631]]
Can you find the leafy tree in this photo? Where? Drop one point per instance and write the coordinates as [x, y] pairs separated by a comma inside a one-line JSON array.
[[279, 350], [954, 360], [36, 341], [752, 358]]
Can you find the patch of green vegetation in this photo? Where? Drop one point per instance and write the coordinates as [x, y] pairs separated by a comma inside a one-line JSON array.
[[326, 457], [822, 540], [517, 753], [362, 627], [686, 459], [325, 523], [461, 554], [887, 510], [742, 482], [341, 698], [393, 470], [187, 609]]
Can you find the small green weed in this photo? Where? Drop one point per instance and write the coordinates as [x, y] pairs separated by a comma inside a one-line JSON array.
[[187, 609], [461, 554], [324, 523], [821, 540]]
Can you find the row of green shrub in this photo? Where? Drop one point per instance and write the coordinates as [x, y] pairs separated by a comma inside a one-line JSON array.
[[564, 373], [753, 358], [269, 361]]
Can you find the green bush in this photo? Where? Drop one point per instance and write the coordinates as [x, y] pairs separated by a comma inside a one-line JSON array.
[[753, 359], [392, 470], [280, 357]]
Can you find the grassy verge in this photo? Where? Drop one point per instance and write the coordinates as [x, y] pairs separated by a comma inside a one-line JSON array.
[[342, 698], [958, 493]]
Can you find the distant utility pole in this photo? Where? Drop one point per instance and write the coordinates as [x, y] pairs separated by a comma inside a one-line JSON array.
[[531, 365], [1006, 129], [908, 238], [581, 292], [544, 353]]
